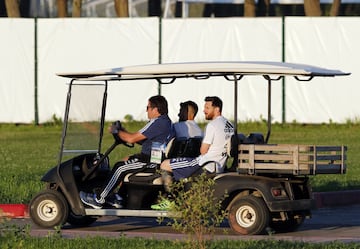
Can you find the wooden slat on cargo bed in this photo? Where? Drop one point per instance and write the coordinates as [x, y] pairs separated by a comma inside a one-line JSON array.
[[291, 159]]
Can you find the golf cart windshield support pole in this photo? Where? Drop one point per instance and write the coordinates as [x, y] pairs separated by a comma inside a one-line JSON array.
[[66, 117], [269, 109], [235, 104], [103, 110]]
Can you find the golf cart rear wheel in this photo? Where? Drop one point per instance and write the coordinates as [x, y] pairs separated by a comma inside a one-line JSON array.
[[249, 215], [49, 209]]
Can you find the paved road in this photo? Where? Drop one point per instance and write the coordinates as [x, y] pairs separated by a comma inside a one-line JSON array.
[[327, 224]]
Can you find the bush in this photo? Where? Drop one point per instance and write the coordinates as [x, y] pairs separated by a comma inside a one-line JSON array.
[[197, 211]]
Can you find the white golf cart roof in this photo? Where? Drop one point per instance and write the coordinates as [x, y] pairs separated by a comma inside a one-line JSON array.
[[234, 71], [205, 70]]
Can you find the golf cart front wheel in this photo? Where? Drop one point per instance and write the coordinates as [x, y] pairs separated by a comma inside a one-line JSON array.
[[49, 209]]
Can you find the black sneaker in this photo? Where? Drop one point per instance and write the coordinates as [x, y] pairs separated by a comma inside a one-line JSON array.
[[90, 200]]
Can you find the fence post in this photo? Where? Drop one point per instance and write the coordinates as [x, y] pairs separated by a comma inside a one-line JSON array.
[[36, 108], [160, 48], [283, 106]]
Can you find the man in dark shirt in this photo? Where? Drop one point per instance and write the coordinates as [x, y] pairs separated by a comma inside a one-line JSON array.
[[158, 129]]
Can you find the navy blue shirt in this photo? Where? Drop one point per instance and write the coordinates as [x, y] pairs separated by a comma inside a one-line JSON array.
[[156, 130]]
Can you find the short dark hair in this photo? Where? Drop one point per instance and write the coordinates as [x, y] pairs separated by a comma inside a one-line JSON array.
[[192, 104], [215, 101], [160, 103], [184, 108]]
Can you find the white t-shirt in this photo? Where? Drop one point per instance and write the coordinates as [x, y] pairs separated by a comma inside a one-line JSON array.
[[217, 133], [188, 128]]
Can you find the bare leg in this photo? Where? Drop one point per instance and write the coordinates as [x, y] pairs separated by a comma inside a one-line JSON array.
[[166, 175], [165, 165]]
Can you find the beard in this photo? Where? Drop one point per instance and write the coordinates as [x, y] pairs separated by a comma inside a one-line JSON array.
[[209, 116]]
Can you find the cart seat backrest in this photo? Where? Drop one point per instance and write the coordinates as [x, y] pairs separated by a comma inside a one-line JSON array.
[[252, 138], [255, 138], [183, 147]]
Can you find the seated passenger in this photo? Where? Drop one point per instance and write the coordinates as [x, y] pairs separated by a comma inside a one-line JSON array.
[[218, 132], [187, 127]]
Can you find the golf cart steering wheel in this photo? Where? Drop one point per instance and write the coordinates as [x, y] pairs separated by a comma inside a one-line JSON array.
[[116, 127]]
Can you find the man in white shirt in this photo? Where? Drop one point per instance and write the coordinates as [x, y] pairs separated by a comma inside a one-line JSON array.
[[218, 133], [187, 127]]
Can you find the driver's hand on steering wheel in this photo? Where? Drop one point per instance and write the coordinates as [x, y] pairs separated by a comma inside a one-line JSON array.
[[116, 127], [112, 129]]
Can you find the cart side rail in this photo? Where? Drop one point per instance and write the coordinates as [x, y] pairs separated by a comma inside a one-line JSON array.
[[291, 159]]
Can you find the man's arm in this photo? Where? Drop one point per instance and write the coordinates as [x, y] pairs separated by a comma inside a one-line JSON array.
[[208, 139], [131, 137], [204, 148]]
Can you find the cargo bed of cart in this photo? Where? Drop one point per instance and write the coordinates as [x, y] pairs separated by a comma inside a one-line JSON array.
[[291, 159]]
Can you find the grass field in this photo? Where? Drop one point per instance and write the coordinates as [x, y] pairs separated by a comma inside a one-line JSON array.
[[27, 152], [55, 242], [19, 238]]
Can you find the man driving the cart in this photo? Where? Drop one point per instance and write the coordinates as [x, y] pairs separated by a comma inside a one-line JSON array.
[[158, 129]]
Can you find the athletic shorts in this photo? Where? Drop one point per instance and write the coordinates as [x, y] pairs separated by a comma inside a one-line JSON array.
[[184, 167]]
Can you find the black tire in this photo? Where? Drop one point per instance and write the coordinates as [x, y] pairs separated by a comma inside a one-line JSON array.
[[49, 209], [249, 215], [290, 225], [80, 221]]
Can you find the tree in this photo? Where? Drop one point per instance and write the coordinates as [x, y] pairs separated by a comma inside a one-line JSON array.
[[122, 8], [334, 11], [76, 11], [263, 8], [62, 8], [197, 209], [249, 8], [12, 8], [312, 7]]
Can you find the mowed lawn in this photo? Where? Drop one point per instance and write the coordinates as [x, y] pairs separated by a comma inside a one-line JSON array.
[[27, 152]]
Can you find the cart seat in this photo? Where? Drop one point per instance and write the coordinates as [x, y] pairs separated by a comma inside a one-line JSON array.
[[177, 147], [153, 178]]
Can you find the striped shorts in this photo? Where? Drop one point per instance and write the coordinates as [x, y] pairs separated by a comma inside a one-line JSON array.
[[184, 167]]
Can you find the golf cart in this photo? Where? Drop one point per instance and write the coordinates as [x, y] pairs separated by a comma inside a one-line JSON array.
[[267, 185]]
